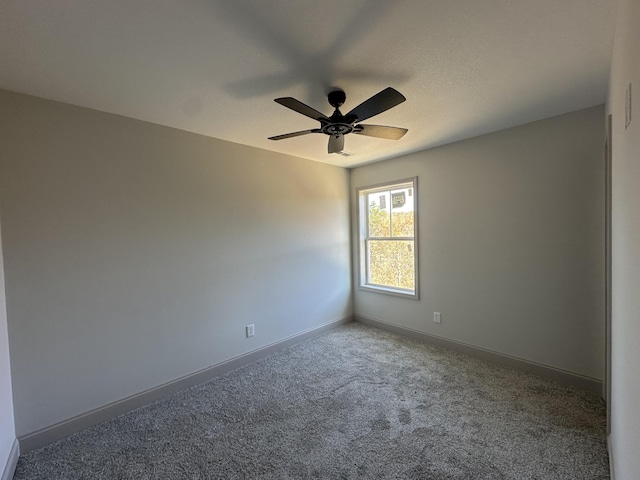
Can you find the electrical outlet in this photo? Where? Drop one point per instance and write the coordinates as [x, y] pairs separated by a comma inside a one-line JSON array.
[[251, 330], [437, 317]]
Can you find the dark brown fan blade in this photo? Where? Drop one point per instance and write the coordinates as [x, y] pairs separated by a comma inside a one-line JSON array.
[[380, 131], [380, 102], [300, 107], [295, 134], [336, 144]]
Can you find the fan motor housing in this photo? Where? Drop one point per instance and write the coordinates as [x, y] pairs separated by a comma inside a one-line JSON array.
[[339, 125], [337, 129]]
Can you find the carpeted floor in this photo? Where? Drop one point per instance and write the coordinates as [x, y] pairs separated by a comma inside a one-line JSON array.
[[355, 402]]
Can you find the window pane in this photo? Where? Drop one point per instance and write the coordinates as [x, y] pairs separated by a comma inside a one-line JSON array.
[[391, 263], [379, 216], [402, 212]]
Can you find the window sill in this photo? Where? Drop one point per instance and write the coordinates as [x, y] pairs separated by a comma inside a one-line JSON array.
[[397, 292]]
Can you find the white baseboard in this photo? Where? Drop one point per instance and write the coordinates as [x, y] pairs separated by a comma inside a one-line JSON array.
[[12, 461], [561, 376], [612, 470], [70, 426]]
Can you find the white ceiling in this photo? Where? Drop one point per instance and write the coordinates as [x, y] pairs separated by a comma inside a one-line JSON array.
[[466, 67]]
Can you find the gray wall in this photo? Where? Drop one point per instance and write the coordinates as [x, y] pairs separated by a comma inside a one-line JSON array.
[[625, 380], [511, 228], [136, 254], [7, 427]]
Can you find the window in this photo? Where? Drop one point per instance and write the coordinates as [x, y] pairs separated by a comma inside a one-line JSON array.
[[388, 238]]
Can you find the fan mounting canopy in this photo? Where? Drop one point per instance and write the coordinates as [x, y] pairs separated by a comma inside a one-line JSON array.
[[337, 98]]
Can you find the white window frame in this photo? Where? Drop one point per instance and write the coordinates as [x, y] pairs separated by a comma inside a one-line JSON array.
[[363, 234]]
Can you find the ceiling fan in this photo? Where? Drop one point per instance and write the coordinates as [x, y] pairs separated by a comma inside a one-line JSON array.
[[339, 125]]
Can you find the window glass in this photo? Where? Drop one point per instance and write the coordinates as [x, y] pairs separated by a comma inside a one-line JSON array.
[[402, 212], [379, 214], [392, 263]]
